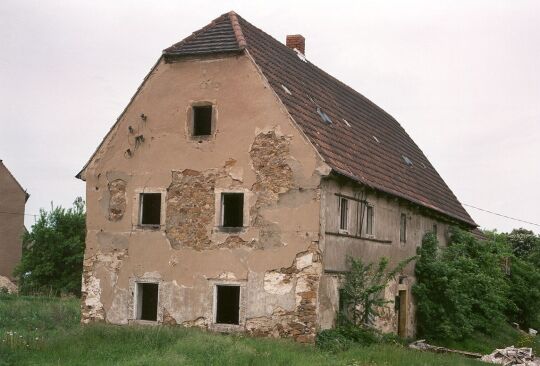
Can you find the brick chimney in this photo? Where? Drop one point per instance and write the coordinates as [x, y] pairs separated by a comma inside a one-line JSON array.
[[296, 41]]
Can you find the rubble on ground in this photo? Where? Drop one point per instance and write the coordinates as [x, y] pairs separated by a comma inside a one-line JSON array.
[[512, 356], [7, 285]]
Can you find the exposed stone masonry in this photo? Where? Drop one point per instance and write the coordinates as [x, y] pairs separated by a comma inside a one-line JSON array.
[[117, 200]]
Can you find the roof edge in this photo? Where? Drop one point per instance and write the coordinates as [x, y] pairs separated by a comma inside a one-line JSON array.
[[26, 194], [233, 17]]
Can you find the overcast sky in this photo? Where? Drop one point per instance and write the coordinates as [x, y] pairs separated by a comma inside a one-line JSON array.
[[462, 77]]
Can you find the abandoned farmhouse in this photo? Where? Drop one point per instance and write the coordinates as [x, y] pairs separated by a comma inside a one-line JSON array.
[[237, 181], [13, 199]]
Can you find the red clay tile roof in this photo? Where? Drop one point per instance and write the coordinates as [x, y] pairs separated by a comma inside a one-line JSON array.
[[362, 142]]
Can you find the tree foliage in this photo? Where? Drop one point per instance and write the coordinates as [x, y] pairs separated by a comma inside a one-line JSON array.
[[53, 251], [364, 284], [461, 288]]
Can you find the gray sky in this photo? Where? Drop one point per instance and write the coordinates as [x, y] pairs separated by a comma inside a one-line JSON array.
[[462, 77]]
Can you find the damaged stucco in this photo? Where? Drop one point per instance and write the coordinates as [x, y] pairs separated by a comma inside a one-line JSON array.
[[255, 149]]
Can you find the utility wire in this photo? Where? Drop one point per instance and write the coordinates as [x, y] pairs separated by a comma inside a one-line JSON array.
[[17, 213], [501, 215]]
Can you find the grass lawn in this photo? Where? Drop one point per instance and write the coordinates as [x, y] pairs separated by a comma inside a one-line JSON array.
[[46, 331]]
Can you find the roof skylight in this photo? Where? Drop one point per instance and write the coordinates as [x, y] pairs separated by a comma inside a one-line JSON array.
[[286, 89], [346, 122], [407, 160], [376, 139], [324, 116]]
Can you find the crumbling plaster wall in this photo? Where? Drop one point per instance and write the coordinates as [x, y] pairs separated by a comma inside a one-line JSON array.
[[385, 242], [257, 150]]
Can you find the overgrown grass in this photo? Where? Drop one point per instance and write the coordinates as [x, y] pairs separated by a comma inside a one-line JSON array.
[[48, 333]]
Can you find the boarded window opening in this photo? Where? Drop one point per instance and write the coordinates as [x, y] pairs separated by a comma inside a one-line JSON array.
[[150, 208], [147, 301], [232, 209], [202, 120], [343, 214], [227, 304], [403, 228], [369, 220]]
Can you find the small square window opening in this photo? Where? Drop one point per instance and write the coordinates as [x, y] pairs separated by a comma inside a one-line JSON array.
[[202, 120], [150, 210], [232, 209], [147, 301], [369, 220], [227, 304], [343, 214], [403, 228]]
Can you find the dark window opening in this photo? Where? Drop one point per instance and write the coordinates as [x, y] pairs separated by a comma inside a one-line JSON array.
[[228, 304], [369, 220], [403, 228], [233, 209], [150, 208], [202, 120], [343, 303], [343, 214], [148, 301], [435, 229]]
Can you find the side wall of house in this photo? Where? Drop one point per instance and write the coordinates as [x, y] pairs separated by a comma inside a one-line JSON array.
[[254, 149], [12, 201], [384, 241]]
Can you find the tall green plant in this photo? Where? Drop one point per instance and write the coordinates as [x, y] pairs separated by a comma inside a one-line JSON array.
[[363, 287], [460, 288], [53, 252]]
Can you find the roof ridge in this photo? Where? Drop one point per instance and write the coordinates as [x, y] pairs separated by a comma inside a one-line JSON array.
[[233, 17], [195, 34]]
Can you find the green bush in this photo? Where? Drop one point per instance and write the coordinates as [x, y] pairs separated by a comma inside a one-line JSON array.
[[343, 337], [53, 252], [461, 288], [524, 294]]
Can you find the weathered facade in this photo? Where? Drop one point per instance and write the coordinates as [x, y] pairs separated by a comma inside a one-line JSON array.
[[210, 205], [12, 201]]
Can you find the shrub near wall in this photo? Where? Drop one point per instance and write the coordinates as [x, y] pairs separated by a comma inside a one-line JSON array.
[[461, 288]]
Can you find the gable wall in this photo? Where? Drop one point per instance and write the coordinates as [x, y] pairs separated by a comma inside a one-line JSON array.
[[12, 201], [255, 150]]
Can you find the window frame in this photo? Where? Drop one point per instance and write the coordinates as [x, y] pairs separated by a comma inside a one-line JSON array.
[[213, 283], [216, 303], [218, 211], [343, 225], [370, 219], [222, 219], [136, 216], [190, 124], [141, 205], [403, 228]]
